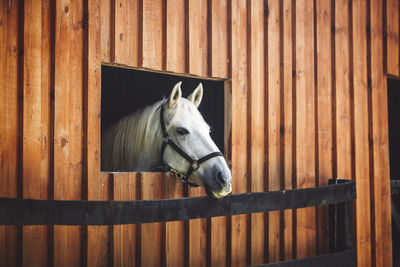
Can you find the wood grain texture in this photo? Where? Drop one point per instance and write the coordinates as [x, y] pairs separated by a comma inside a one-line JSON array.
[[176, 62], [198, 64], [98, 237], [106, 16], [361, 132], [380, 181], [239, 74], [274, 125], [125, 46], [152, 52], [219, 68], [36, 127], [305, 125], [9, 71], [125, 237], [324, 110], [151, 233], [342, 90], [68, 124], [287, 109], [392, 37], [152, 183], [257, 127]]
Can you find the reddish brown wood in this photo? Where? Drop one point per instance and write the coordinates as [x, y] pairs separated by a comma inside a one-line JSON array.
[[106, 16], [239, 74], [126, 43], [36, 130], [125, 237], [98, 237], [342, 90], [305, 124], [219, 68], [361, 142], [151, 233], [68, 124], [392, 39], [9, 38], [152, 183], [198, 64], [152, 50], [380, 181], [287, 107], [257, 127], [324, 110], [274, 125], [175, 61]]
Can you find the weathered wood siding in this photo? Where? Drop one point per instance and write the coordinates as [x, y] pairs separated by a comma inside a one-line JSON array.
[[308, 88]]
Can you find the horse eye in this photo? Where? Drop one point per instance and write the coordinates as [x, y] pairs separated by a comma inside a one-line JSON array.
[[182, 131]]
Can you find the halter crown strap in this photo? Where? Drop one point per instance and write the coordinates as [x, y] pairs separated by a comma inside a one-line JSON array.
[[194, 164]]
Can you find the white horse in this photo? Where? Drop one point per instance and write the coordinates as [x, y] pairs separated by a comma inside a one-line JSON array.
[[168, 133]]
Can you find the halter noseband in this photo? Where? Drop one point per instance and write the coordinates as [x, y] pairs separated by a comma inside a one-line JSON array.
[[194, 164]]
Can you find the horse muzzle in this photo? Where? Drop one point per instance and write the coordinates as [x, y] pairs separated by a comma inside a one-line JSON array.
[[221, 185]]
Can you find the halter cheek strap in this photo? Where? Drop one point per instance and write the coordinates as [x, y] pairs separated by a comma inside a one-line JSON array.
[[194, 164]]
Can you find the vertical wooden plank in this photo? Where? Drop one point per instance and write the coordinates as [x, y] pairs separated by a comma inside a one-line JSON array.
[[380, 181], [219, 38], [97, 183], [342, 90], [274, 125], [219, 68], [125, 43], [257, 96], [239, 76], [175, 36], [127, 32], [361, 132], [175, 61], [198, 64], [125, 187], [151, 233], [392, 41], [287, 107], [324, 107], [9, 51], [342, 101], [151, 183], [68, 124], [152, 23], [174, 231], [305, 124], [105, 28], [36, 123]]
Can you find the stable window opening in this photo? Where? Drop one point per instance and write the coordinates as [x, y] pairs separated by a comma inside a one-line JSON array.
[[394, 157], [126, 90]]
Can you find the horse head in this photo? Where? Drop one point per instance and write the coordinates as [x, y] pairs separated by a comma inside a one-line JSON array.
[[187, 145]]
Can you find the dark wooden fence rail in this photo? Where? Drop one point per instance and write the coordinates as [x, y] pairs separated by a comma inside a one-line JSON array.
[[66, 212], [338, 195]]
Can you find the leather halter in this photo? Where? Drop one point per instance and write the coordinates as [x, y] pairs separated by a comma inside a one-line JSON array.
[[194, 164]]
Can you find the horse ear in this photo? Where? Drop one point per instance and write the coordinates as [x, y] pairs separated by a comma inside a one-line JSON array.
[[175, 95], [197, 95]]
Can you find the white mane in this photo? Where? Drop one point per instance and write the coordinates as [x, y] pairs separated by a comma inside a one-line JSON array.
[[130, 139]]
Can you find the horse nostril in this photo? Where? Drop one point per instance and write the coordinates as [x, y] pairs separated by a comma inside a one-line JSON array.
[[220, 179]]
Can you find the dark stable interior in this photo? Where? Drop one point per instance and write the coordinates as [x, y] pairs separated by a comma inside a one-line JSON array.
[[124, 90], [394, 152]]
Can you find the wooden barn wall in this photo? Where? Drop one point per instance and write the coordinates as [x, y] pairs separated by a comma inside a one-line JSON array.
[[309, 103]]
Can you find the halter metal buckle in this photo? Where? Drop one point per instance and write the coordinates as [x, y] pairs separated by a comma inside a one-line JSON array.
[[178, 175], [195, 165], [166, 139]]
